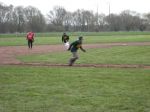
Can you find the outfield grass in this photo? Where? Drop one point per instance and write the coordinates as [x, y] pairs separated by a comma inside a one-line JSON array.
[[45, 89], [16, 41], [58, 34], [114, 55]]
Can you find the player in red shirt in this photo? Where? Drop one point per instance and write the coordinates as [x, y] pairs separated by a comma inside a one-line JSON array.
[[30, 38]]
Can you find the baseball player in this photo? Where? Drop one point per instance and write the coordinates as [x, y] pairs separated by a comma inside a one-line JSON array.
[[65, 40], [30, 38], [74, 46]]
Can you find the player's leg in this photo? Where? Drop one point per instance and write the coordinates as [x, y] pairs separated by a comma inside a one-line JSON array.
[[74, 58], [28, 43], [31, 43]]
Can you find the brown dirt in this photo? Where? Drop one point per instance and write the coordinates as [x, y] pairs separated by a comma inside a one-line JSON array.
[[8, 54]]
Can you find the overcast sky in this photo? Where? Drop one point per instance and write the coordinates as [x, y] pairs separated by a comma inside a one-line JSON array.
[[116, 6]]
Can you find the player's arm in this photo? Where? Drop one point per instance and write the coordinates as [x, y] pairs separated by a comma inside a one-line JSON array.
[[27, 37], [82, 49], [70, 46]]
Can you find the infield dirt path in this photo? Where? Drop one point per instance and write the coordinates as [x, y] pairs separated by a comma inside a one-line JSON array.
[[8, 54]]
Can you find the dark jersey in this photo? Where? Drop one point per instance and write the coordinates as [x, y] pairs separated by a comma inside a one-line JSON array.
[[65, 38], [75, 46]]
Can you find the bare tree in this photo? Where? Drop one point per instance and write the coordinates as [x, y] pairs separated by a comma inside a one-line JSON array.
[[68, 21], [98, 22], [19, 19], [77, 20], [113, 21], [5, 17], [56, 17], [130, 20], [147, 21], [35, 21]]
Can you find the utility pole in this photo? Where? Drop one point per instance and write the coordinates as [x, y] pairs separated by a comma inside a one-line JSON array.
[[97, 12], [109, 9], [97, 17], [109, 14]]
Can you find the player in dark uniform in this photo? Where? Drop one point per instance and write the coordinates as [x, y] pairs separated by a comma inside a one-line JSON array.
[[74, 46], [65, 40]]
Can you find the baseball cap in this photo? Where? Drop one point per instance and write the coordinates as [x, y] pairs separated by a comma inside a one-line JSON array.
[[80, 38]]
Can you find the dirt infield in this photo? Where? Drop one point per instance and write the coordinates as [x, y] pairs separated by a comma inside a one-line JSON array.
[[8, 54]]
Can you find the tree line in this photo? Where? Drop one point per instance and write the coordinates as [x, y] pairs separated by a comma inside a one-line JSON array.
[[22, 19]]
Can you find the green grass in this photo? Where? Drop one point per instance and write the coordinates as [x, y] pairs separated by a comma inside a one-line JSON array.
[[17, 41], [120, 38], [69, 89], [58, 34], [114, 55], [45, 89]]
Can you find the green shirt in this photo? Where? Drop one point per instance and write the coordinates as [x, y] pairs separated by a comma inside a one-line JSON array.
[[75, 46]]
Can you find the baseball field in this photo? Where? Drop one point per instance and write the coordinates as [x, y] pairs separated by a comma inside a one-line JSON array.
[[112, 76]]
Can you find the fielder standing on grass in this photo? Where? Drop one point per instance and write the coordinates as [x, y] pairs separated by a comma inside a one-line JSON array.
[[30, 38], [74, 46], [65, 40]]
